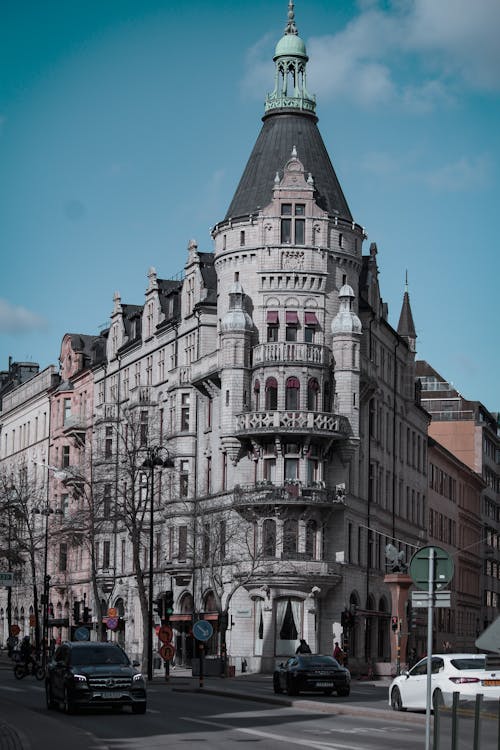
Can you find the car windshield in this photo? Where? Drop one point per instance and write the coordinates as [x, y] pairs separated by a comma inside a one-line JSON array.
[[318, 661], [103, 655], [468, 663]]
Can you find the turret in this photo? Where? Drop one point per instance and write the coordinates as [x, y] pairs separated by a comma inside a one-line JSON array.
[[346, 333]]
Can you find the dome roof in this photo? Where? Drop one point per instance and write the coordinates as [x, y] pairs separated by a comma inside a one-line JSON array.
[[236, 319], [290, 44], [346, 320]]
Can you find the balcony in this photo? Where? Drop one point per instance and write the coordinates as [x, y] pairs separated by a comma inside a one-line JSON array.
[[319, 424], [291, 352], [76, 424], [206, 370], [292, 493], [142, 395], [107, 412]]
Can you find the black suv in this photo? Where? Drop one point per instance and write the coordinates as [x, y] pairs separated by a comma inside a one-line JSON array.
[[89, 674]]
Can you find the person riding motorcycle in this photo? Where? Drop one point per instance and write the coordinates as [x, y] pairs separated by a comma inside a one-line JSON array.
[[26, 651]]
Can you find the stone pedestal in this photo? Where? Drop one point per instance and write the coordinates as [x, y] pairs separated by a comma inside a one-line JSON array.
[[399, 585]]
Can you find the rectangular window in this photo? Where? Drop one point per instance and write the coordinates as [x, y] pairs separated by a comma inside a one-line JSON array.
[[291, 468], [209, 475], [270, 469], [106, 554], [185, 412], [143, 434], [67, 410], [309, 335], [106, 501], [184, 479], [65, 456], [300, 232], [182, 543], [63, 557], [108, 443]]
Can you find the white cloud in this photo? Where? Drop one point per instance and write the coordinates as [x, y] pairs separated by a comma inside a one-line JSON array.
[[17, 319], [412, 53], [463, 174]]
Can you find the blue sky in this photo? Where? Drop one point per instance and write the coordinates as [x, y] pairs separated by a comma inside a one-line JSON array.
[[125, 126]]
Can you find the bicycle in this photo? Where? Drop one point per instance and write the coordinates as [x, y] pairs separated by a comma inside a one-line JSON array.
[[23, 669]]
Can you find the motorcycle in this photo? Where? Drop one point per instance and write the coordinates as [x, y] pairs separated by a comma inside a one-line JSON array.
[[21, 669]]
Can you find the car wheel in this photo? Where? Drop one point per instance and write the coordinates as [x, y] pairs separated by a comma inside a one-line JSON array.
[[49, 698], [69, 706], [276, 684], [437, 699], [396, 701], [139, 708], [344, 692]]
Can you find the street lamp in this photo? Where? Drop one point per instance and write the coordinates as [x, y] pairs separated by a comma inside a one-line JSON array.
[[157, 457], [47, 511]]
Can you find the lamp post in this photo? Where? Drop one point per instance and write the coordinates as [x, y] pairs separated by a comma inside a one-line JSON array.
[[47, 511], [157, 457]]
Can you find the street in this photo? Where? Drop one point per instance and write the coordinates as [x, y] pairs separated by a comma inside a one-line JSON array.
[[180, 716]]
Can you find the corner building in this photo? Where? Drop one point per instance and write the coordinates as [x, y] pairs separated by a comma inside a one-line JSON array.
[[288, 404]]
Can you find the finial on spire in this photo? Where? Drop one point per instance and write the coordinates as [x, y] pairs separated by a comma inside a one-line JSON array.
[[290, 28], [406, 281]]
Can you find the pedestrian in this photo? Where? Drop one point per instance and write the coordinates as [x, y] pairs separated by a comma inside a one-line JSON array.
[[337, 652], [303, 647]]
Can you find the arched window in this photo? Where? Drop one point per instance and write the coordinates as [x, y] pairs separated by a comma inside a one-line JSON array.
[[269, 538], [290, 538], [271, 394], [256, 395], [292, 393], [312, 395], [311, 534]]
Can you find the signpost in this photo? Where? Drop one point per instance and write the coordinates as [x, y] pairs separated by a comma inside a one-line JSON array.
[[6, 579], [431, 569], [202, 631], [82, 634]]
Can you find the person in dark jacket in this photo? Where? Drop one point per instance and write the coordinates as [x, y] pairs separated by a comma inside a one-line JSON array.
[[303, 647]]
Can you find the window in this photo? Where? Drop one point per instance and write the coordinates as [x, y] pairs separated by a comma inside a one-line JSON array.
[[269, 538], [292, 323], [184, 479], [271, 394], [123, 556], [312, 394], [63, 557], [242, 237], [106, 501], [106, 554], [311, 532], [209, 475], [288, 631], [272, 320], [290, 538], [65, 456], [292, 393], [108, 443], [143, 435], [182, 542], [256, 395], [293, 229], [185, 412], [67, 410]]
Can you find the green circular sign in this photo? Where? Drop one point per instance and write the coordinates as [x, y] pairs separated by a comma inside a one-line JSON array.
[[443, 568]]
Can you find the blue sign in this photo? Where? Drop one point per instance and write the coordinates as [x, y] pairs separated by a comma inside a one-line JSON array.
[[202, 630], [82, 634]]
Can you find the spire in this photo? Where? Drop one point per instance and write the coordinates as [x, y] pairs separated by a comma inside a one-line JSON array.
[[290, 58], [406, 326]]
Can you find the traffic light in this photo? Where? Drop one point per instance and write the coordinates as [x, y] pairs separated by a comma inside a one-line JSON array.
[[169, 603], [159, 606], [223, 620], [394, 623], [76, 612]]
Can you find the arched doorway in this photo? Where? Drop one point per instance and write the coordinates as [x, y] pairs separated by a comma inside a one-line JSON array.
[[183, 638]]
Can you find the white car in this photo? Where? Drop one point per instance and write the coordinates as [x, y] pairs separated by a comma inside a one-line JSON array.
[[451, 673]]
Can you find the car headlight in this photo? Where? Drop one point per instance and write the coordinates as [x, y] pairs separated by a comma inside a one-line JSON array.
[[79, 678], [138, 678]]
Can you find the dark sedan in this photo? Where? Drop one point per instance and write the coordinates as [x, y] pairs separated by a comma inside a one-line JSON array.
[[312, 673]]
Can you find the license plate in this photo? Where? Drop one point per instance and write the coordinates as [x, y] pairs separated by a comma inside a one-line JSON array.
[[324, 684], [106, 694], [491, 683]]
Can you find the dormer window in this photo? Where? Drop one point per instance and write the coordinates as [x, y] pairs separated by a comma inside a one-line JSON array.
[[293, 226]]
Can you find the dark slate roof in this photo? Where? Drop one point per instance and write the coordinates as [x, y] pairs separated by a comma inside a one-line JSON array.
[[406, 326], [280, 133], [208, 270]]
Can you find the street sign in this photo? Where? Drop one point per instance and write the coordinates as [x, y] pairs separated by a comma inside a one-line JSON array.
[[167, 652], [15, 630], [6, 578], [489, 640], [165, 634], [82, 634], [443, 568], [202, 630], [421, 599], [112, 623]]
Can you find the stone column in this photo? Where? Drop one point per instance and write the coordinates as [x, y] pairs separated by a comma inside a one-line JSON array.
[[399, 585]]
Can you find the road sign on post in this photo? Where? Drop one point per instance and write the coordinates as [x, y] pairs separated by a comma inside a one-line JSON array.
[[443, 568], [202, 630], [6, 579]]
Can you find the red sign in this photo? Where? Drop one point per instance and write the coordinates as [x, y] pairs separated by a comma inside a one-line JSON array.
[[165, 634], [15, 630], [167, 652]]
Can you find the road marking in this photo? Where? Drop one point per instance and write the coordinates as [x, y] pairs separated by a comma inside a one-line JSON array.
[[277, 737], [12, 690]]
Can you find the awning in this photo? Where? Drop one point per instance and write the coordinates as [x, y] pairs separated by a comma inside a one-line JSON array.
[[310, 319], [272, 317], [292, 319]]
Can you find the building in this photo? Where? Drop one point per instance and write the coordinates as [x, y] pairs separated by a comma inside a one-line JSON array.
[[285, 403], [470, 432]]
